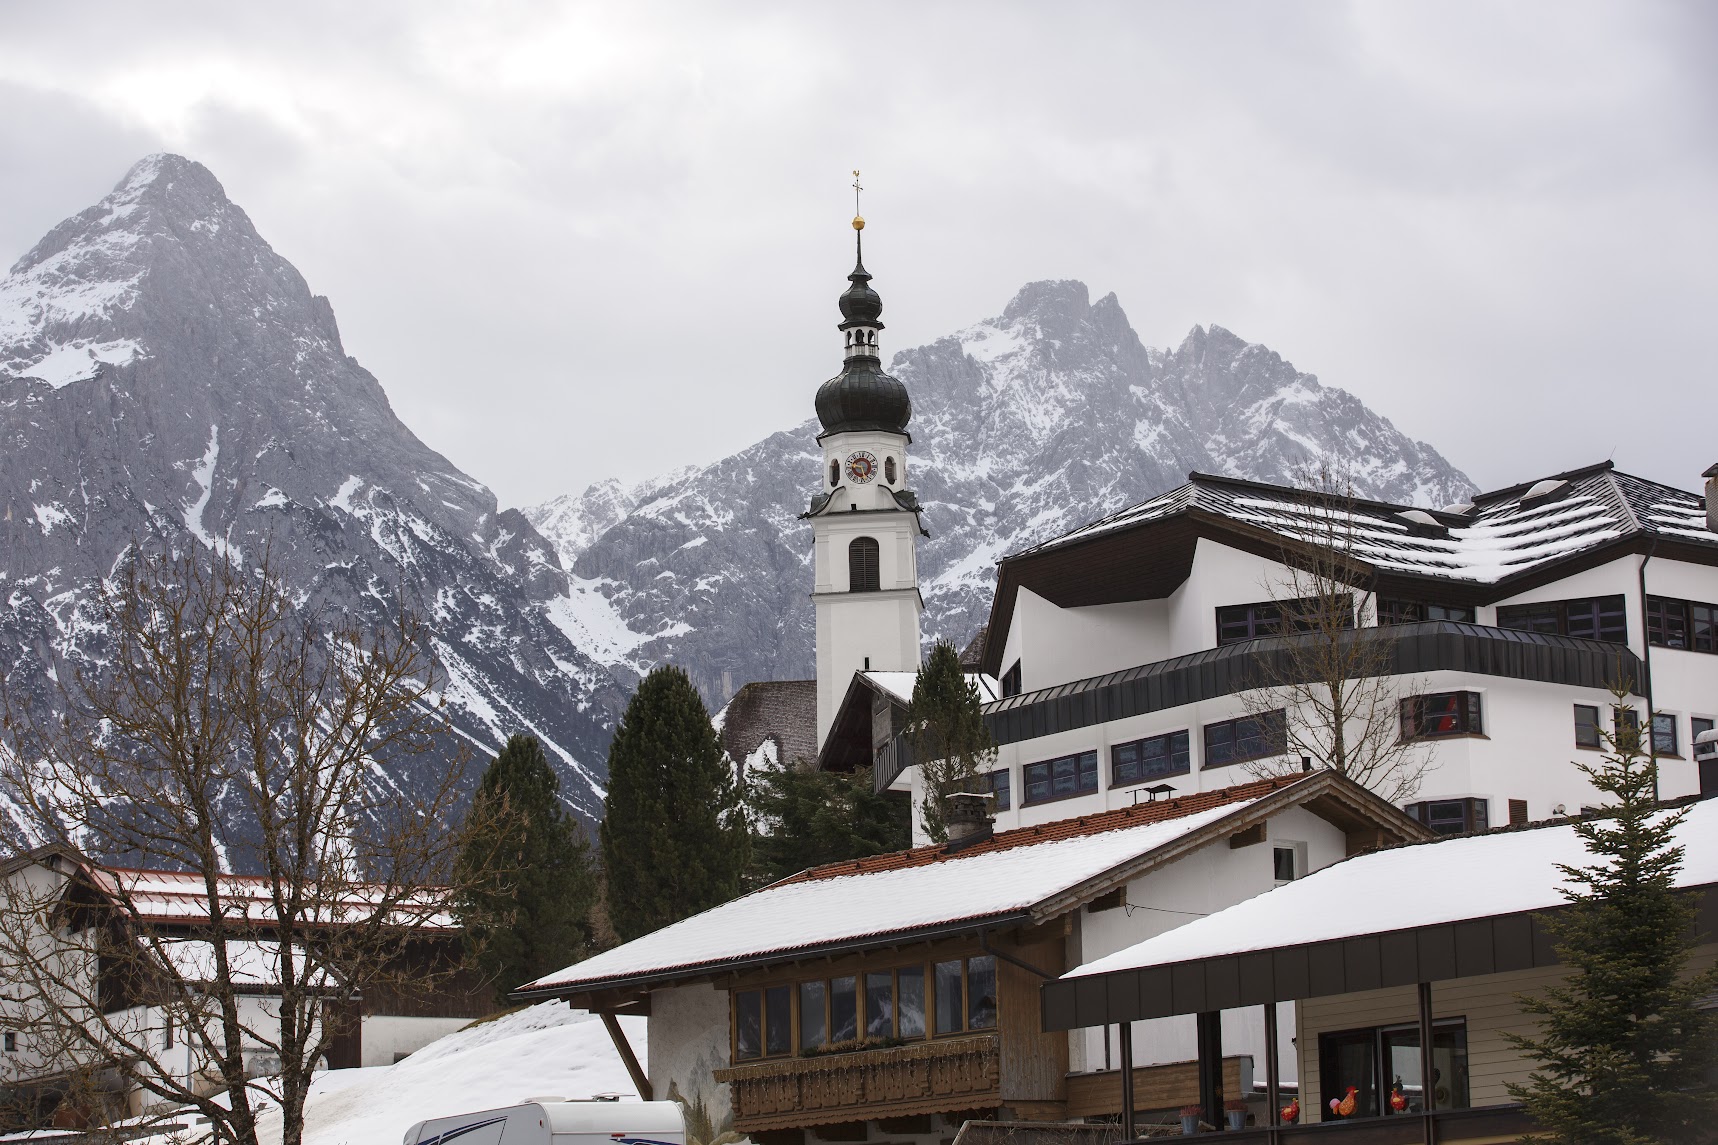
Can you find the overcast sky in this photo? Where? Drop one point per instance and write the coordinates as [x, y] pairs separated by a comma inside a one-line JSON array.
[[581, 241]]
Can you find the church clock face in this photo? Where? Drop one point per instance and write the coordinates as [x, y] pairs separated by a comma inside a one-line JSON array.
[[861, 467]]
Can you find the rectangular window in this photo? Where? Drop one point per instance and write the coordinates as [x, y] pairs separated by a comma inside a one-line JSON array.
[[1587, 726], [1412, 611], [1441, 714], [1687, 624], [1625, 729], [11, 1042], [949, 1002], [880, 1004], [1358, 1060], [1250, 737], [1697, 726], [1451, 816], [1237, 622], [778, 1020], [1011, 681], [1151, 758], [1000, 788], [1283, 864], [981, 993], [843, 1009], [813, 1019], [910, 1002], [1518, 812], [1664, 734], [748, 1024], [1062, 778], [1590, 618]]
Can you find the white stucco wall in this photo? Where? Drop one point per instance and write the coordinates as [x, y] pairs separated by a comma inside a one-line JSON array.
[[688, 1043], [387, 1038]]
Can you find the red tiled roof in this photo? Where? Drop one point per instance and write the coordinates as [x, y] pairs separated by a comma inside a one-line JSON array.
[[1117, 820]]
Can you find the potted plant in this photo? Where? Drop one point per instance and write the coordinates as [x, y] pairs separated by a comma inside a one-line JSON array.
[[1237, 1112], [1190, 1115]]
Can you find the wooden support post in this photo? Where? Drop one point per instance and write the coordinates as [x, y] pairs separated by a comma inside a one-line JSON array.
[[1127, 1127], [627, 1057], [1428, 1085], [1210, 1026], [1273, 1080]]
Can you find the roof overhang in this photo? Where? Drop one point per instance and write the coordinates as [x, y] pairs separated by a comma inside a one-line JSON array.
[[1493, 944]]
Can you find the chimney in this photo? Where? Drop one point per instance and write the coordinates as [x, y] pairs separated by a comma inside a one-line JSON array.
[[967, 814], [1711, 476]]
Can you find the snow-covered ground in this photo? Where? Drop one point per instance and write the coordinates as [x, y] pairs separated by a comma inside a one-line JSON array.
[[545, 1051]]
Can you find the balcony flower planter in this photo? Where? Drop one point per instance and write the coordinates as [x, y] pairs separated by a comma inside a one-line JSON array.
[[1190, 1115], [1236, 1111]]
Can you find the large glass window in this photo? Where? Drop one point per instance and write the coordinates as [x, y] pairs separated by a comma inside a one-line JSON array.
[[1591, 618], [1687, 624], [1413, 611], [949, 1002], [748, 1024], [981, 993], [1150, 758], [1451, 816], [1061, 778], [1390, 1055], [1237, 622], [813, 1020], [880, 1004], [843, 1009], [1441, 714], [1250, 737], [778, 1020], [910, 1002]]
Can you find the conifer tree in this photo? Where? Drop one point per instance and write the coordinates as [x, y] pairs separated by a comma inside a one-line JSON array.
[[1623, 1045], [526, 872], [803, 817], [951, 743], [673, 840]]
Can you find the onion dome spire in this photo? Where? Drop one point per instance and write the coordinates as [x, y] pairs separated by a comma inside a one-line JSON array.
[[862, 396]]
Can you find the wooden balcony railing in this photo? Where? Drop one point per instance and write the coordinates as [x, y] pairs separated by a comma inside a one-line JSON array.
[[927, 1077]]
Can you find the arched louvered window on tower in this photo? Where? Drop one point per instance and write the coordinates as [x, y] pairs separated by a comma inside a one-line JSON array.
[[862, 575], [889, 470]]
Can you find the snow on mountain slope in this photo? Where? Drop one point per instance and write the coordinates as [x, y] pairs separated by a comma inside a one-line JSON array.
[[167, 377], [1024, 426]]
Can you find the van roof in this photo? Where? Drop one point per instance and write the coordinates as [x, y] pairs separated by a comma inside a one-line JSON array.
[[616, 1118]]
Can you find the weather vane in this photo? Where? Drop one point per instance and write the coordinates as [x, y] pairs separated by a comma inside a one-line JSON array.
[[858, 219]]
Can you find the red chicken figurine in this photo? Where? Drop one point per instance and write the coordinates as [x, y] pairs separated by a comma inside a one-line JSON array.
[[1291, 1111], [1347, 1105], [1398, 1103]]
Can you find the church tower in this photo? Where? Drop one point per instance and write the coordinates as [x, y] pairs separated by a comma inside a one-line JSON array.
[[864, 520]]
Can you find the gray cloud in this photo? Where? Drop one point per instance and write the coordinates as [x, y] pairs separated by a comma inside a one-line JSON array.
[[577, 241]]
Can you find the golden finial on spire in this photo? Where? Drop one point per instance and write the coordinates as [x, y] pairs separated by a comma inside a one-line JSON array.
[[858, 219]]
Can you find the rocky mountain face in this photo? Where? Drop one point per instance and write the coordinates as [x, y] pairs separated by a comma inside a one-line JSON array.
[[167, 378], [1024, 426]]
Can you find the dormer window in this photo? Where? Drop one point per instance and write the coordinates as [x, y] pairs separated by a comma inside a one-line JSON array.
[[889, 470]]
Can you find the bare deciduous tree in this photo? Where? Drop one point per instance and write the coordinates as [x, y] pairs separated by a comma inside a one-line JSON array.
[[273, 759], [1333, 680]]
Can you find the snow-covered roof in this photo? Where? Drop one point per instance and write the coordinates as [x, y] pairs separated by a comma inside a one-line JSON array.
[[1509, 871], [900, 684], [250, 964], [1004, 877], [1496, 536]]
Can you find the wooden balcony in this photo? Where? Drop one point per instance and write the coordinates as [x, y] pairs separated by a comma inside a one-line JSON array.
[[926, 1077]]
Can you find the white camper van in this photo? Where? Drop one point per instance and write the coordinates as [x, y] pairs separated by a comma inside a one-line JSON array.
[[559, 1123]]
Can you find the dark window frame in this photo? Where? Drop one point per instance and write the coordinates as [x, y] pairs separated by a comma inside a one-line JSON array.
[[1084, 763], [1602, 618], [1457, 714], [1001, 784], [1396, 611], [1683, 625], [1251, 621], [864, 565], [1471, 814], [1138, 748], [1373, 1100], [1585, 732], [1010, 681], [1665, 726], [1269, 730]]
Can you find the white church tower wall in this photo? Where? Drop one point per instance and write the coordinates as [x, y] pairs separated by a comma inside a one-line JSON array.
[[865, 521]]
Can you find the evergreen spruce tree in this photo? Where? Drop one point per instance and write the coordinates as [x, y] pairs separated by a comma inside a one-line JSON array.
[[803, 817], [950, 740], [526, 869], [1623, 1047], [673, 839]]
